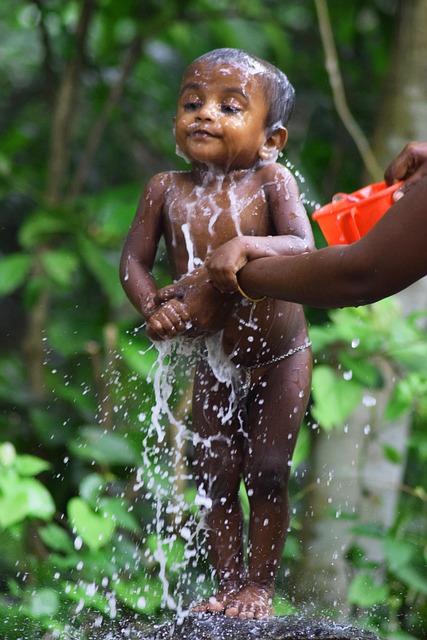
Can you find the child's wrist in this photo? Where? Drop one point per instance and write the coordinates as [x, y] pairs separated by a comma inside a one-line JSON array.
[[148, 307]]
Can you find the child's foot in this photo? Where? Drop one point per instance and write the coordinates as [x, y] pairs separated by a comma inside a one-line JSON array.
[[219, 602], [253, 601]]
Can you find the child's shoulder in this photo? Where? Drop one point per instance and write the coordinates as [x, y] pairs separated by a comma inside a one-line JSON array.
[[275, 171], [162, 182]]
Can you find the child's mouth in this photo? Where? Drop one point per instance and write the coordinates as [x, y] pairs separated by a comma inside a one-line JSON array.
[[202, 133]]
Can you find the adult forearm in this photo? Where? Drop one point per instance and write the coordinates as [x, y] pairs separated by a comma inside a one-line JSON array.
[[389, 258], [286, 278], [331, 277]]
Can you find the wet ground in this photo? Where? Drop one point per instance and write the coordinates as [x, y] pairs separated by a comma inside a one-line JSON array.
[[208, 627]]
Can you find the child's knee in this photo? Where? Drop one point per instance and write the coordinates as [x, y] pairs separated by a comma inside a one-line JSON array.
[[271, 478], [221, 485]]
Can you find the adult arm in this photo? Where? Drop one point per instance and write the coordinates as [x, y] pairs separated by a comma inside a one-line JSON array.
[[389, 258]]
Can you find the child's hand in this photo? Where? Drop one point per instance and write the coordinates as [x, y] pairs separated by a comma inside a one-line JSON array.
[[208, 309], [224, 263], [168, 321]]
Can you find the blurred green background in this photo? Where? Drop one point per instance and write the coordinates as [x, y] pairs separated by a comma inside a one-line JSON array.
[[87, 95]]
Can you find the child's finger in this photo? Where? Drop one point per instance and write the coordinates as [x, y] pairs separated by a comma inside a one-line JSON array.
[[169, 293], [169, 321]]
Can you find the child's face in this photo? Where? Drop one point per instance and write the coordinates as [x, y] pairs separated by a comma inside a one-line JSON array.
[[221, 116]]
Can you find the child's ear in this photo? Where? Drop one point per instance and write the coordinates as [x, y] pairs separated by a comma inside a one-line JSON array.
[[274, 144]]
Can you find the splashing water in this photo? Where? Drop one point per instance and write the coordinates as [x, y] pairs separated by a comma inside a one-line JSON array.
[[165, 477]]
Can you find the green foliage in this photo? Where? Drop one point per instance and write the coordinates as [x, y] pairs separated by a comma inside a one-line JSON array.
[[14, 270], [22, 496], [352, 349], [363, 592], [76, 496], [335, 398]]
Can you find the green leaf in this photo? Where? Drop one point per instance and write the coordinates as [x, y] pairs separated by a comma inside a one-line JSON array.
[[14, 269], [391, 454], [405, 394], [56, 538], [95, 529], [363, 371], [7, 454], [411, 356], [106, 447], [174, 554], [91, 488], [118, 510], [283, 607], [302, 448], [413, 576], [139, 356], [111, 212], [90, 593], [143, 595], [27, 465], [60, 266], [44, 602], [405, 561], [104, 272], [334, 398], [400, 635], [398, 553], [13, 509], [368, 529], [24, 498], [363, 592], [292, 549], [40, 502], [40, 227]]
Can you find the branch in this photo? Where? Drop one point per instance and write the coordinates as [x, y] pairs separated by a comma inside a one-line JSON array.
[[338, 92], [102, 121], [64, 113], [49, 76]]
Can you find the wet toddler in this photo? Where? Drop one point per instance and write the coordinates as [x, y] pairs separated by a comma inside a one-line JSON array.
[[234, 204]]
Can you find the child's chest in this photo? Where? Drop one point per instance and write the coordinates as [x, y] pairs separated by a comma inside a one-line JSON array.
[[211, 216]]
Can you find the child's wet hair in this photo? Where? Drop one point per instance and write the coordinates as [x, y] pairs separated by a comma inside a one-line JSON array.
[[279, 92]]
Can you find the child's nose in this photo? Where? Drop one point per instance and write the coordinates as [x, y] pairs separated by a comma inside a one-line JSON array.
[[207, 111]]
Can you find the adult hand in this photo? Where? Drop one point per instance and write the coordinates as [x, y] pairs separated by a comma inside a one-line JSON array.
[[410, 165], [224, 264]]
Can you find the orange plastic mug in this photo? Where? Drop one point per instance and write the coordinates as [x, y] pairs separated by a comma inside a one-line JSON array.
[[350, 216]]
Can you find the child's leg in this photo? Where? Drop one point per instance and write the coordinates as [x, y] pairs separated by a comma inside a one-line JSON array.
[[218, 467], [276, 408]]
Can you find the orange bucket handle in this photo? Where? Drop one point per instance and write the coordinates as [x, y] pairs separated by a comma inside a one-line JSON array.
[[348, 225]]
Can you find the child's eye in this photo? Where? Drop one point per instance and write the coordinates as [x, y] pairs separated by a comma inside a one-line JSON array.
[[191, 106], [229, 109]]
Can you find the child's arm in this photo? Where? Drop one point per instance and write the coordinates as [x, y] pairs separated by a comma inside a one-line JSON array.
[[292, 226], [140, 248]]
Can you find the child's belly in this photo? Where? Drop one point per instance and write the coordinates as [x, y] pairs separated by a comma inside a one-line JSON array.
[[257, 333]]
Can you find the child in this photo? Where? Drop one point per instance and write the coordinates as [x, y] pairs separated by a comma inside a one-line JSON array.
[[230, 125]]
